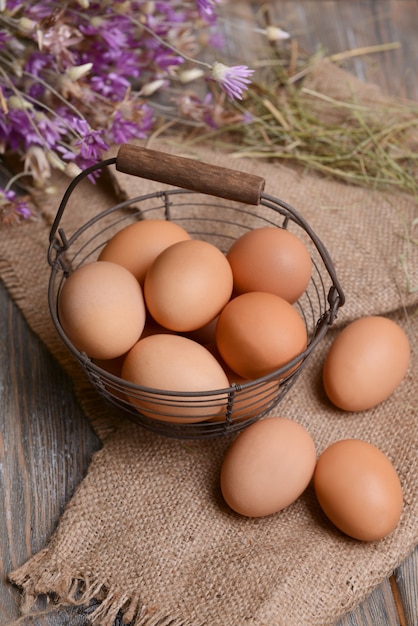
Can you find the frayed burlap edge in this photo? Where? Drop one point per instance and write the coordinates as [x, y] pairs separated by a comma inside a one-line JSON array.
[[64, 589]]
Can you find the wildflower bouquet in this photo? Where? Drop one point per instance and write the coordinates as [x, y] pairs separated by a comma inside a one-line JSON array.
[[79, 76]]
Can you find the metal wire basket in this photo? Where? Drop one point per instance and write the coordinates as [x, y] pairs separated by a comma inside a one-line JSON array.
[[213, 204]]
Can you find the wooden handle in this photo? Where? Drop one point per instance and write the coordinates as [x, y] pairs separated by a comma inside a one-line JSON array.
[[189, 174]]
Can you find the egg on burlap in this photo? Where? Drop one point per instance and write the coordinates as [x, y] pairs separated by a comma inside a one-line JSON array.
[[358, 489], [366, 363], [267, 467]]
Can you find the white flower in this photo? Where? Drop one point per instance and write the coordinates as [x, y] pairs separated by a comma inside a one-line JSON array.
[[274, 33], [187, 76], [77, 71], [152, 87], [36, 163], [232, 80]]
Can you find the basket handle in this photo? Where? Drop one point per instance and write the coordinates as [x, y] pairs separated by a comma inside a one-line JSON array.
[[189, 174]]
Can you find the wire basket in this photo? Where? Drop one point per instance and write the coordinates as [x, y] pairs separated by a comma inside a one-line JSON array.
[[216, 205]]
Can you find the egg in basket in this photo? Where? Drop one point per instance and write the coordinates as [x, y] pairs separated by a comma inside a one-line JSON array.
[[192, 309]]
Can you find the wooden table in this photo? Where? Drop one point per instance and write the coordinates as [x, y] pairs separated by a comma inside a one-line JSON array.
[[46, 441]]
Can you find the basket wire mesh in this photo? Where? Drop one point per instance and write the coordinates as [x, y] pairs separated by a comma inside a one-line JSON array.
[[218, 221]]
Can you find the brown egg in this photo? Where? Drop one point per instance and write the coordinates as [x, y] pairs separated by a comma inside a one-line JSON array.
[[358, 489], [102, 310], [270, 259], [137, 245], [267, 467], [366, 363], [174, 363], [258, 333], [187, 285]]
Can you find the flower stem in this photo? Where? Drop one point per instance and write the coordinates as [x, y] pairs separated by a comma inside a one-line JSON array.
[[15, 178], [168, 45], [19, 95], [56, 93]]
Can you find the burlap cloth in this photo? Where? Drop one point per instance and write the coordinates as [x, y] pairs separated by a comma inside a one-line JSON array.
[[147, 531]]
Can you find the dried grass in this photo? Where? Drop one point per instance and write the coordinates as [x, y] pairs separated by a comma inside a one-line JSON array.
[[370, 144]]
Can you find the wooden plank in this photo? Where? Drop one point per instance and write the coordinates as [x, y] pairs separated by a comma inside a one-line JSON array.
[[336, 26], [395, 22], [46, 444], [379, 608], [406, 578]]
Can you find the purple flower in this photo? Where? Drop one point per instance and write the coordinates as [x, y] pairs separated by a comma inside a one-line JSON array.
[[126, 64], [206, 9], [80, 125], [90, 148], [114, 37], [122, 130], [12, 208], [25, 128], [112, 86], [51, 131], [35, 10], [129, 47], [13, 4], [165, 60], [66, 153], [37, 62], [22, 133], [232, 80], [171, 13]]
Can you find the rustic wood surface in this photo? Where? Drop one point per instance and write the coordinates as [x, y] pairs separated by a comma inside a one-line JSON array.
[[46, 441]]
